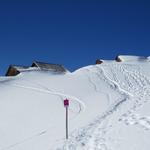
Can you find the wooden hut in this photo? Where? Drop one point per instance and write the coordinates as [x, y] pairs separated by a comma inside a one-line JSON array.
[[98, 61], [118, 59], [14, 70], [49, 67]]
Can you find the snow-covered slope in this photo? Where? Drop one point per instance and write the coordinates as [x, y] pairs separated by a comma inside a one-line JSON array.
[[109, 108]]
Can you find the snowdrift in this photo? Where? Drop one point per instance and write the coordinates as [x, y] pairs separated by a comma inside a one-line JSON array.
[[109, 108]]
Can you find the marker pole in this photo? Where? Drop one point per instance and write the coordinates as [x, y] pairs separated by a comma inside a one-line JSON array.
[[66, 105], [66, 123]]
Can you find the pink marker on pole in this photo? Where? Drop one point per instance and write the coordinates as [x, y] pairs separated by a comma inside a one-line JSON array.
[[66, 105], [66, 102]]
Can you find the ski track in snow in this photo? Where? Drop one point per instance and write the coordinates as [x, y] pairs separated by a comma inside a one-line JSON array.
[[24, 140], [95, 87], [139, 85], [61, 95], [92, 82], [136, 119]]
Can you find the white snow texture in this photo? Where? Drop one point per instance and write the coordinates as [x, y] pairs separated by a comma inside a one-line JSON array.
[[109, 108]]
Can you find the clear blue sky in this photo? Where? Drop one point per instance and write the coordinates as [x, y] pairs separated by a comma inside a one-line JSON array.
[[72, 33]]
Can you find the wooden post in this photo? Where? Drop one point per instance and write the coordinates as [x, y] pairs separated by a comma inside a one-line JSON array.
[[66, 105], [67, 123]]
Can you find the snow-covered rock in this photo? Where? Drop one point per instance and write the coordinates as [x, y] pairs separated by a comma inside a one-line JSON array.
[[109, 108]]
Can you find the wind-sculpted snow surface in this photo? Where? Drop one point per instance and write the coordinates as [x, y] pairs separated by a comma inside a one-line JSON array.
[[109, 108]]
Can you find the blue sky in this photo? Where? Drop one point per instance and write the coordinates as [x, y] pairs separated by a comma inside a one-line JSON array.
[[72, 33]]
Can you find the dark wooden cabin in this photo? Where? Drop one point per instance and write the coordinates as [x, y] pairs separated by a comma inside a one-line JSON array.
[[98, 61], [14, 70], [118, 59], [49, 67]]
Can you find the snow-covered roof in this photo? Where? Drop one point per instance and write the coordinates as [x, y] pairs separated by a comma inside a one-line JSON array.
[[99, 61], [130, 58], [49, 66], [16, 69]]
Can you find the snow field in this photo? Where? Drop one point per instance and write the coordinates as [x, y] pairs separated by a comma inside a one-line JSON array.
[[109, 108]]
